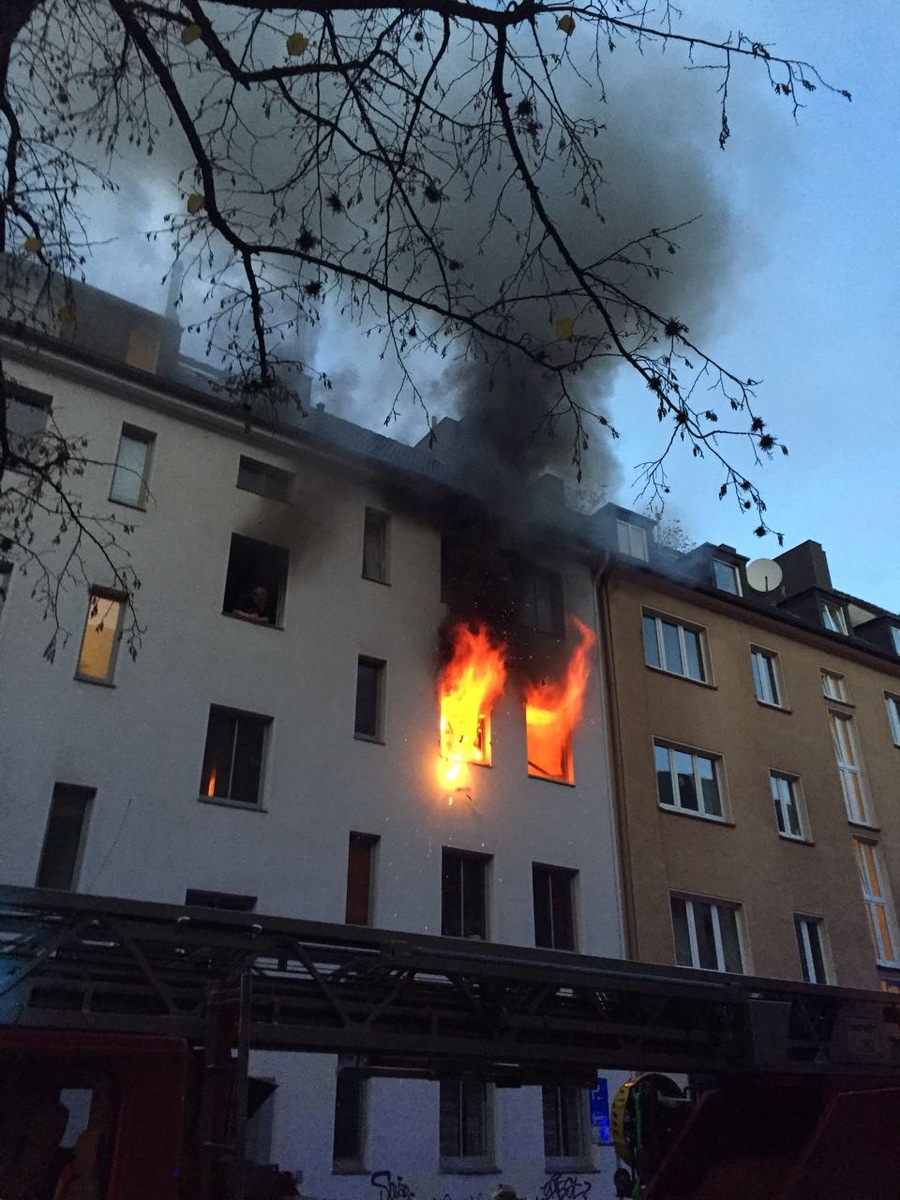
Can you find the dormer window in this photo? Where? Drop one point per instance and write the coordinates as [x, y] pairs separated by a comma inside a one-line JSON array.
[[727, 577], [895, 638], [632, 540], [833, 617]]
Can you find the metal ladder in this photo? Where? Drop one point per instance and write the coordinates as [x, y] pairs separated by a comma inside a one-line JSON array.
[[223, 1095]]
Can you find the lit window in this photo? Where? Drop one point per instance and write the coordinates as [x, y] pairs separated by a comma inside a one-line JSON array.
[[834, 686], [671, 646], [554, 918], [132, 470], [785, 790], [706, 934], [375, 546], [895, 638], [852, 782], [465, 1125], [893, 712], [833, 617], [687, 781], [233, 758], [464, 894], [882, 921], [26, 417], [549, 753], [100, 640], [369, 722], [810, 944], [64, 837], [263, 479], [765, 676], [541, 601], [727, 577], [360, 864], [256, 579], [348, 1147], [632, 540], [565, 1144]]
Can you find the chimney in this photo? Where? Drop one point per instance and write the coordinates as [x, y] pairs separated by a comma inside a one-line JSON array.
[[805, 566]]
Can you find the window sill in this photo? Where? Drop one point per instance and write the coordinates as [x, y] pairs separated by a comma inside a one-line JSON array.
[[548, 779], [368, 737], [107, 683], [128, 504], [705, 683], [571, 1166], [249, 621], [375, 579], [695, 816], [349, 1168], [799, 841], [223, 802], [775, 707], [460, 1166], [867, 825]]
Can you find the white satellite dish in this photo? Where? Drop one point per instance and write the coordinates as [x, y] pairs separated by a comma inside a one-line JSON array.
[[763, 574]]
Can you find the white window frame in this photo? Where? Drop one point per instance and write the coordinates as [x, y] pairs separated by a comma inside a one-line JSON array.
[[100, 602], [834, 686], [833, 617], [895, 638], [766, 683], [145, 438], [892, 703], [804, 928], [660, 619], [784, 804], [631, 540], [849, 763], [715, 906], [878, 904], [733, 574], [672, 749], [452, 1163]]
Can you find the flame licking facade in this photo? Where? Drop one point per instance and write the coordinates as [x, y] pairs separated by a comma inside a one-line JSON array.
[[360, 699]]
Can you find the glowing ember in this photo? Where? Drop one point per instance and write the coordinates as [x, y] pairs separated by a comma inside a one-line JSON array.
[[469, 685], [553, 709]]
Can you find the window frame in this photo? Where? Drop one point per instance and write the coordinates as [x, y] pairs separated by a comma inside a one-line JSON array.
[[479, 929], [378, 666], [63, 792], [783, 808], [840, 695], [562, 1096], [659, 620], [483, 1162], [625, 533], [850, 768], [376, 523], [18, 394], [96, 596], [146, 438], [892, 706], [715, 905], [877, 900], [771, 681], [248, 467], [539, 595], [834, 618], [895, 637], [803, 924], [565, 878], [264, 723], [733, 573], [673, 748]]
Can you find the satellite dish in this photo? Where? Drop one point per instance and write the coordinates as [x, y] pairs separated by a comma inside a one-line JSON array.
[[763, 574]]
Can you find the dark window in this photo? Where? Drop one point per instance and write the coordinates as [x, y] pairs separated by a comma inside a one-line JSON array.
[[369, 699], [541, 601], [554, 920], [360, 863], [349, 1119], [5, 580], [263, 479], [255, 583], [463, 894], [132, 469], [563, 1109], [260, 1112], [232, 761], [464, 1120], [230, 901], [26, 417], [64, 836], [375, 546]]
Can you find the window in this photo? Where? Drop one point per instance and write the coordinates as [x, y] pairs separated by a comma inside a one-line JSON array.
[[549, 749], [810, 943], [369, 699], [852, 782], [632, 540], [834, 686], [893, 712], [671, 646], [132, 469], [785, 794], [102, 633], [233, 759], [263, 479], [26, 417], [882, 921], [541, 601], [360, 864], [375, 546], [227, 901], [833, 617], [255, 583], [348, 1152], [564, 1126], [687, 781], [765, 676], [727, 577], [554, 920], [5, 580], [465, 1125], [895, 638], [464, 894], [706, 934], [64, 836]]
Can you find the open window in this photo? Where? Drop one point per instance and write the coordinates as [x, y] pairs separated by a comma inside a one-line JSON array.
[[256, 581]]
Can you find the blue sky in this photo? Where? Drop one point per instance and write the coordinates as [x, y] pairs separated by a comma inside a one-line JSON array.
[[812, 307]]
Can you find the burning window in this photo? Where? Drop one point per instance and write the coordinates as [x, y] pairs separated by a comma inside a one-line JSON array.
[[233, 759], [552, 710], [470, 683]]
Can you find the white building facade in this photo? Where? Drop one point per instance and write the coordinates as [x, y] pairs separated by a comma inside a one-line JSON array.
[[287, 759]]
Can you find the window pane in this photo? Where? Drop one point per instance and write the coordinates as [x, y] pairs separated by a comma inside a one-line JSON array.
[[815, 947], [348, 1114], [726, 577], [368, 687], [672, 648], [687, 789], [374, 546], [263, 479], [562, 1122], [709, 784], [651, 646], [248, 754], [451, 895], [216, 777], [130, 471], [561, 898], [731, 945], [98, 643], [664, 776], [706, 940], [62, 840], [474, 924], [692, 654], [450, 1142], [474, 1132], [25, 420], [359, 879], [682, 936], [895, 639]]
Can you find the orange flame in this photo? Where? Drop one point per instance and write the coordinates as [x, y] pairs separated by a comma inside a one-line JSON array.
[[211, 784], [552, 710], [468, 687]]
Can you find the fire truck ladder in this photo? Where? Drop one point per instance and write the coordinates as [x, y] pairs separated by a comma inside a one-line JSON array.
[[223, 1101]]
